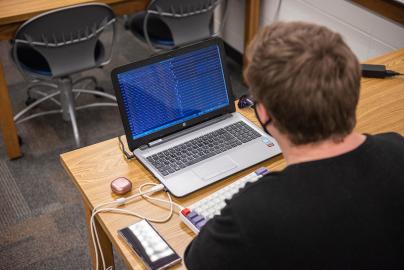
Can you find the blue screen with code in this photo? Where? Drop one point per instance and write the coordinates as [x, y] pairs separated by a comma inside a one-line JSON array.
[[175, 90]]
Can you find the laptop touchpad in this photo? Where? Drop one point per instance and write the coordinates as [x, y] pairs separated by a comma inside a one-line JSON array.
[[215, 167]]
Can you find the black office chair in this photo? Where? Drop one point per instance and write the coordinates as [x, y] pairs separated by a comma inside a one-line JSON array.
[[51, 47], [169, 23]]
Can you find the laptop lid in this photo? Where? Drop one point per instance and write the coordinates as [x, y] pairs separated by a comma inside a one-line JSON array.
[[172, 91]]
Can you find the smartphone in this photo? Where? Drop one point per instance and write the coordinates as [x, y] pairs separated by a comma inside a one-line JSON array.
[[148, 244]]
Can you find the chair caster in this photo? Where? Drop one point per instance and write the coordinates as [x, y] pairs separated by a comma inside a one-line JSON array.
[[30, 100], [98, 88]]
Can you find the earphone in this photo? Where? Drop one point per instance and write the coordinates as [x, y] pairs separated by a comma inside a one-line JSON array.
[[245, 101]]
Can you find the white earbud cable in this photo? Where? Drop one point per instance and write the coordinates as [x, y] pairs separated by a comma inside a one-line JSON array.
[[120, 201]]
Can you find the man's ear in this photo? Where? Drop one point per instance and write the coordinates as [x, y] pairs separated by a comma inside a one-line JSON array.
[[262, 112]]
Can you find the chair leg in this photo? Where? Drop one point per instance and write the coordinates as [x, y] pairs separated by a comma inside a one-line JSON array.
[[35, 84], [98, 104], [37, 115], [68, 106], [95, 92], [72, 112], [21, 113], [90, 79], [40, 93]]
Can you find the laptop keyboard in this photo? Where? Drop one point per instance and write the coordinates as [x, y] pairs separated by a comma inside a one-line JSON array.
[[201, 148]]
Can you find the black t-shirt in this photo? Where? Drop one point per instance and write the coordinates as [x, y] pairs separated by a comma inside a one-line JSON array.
[[344, 212]]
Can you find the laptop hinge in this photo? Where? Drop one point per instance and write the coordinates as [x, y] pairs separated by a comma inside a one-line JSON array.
[[186, 131], [143, 147]]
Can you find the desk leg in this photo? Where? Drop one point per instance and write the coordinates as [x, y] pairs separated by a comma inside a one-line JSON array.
[[7, 125], [252, 19], [105, 243]]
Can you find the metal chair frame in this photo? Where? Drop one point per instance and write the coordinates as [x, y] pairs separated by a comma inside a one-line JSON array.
[[65, 86], [182, 12]]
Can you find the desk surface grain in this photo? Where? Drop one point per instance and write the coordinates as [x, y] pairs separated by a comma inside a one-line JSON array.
[[381, 103], [22, 10], [380, 109]]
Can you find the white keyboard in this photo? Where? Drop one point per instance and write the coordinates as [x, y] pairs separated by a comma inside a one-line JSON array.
[[196, 215]]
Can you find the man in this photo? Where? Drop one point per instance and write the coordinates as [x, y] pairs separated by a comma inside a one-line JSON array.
[[339, 203]]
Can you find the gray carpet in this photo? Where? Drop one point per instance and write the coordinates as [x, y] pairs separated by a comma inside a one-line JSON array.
[[42, 222]]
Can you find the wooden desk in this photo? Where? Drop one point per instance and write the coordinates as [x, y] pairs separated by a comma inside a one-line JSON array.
[[393, 9], [14, 13], [381, 109]]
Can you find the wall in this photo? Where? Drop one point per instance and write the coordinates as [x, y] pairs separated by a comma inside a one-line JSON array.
[[367, 33]]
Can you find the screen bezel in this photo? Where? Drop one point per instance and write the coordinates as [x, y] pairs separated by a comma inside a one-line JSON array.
[[136, 143]]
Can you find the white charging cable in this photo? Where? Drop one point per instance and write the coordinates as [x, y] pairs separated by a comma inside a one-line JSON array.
[[120, 201]]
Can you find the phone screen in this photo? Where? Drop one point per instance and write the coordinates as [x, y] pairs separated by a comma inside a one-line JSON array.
[[149, 245]]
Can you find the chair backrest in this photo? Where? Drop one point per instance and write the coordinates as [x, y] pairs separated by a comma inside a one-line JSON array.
[[188, 20], [67, 37]]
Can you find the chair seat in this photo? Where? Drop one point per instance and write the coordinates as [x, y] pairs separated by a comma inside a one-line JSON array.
[[159, 32], [32, 61]]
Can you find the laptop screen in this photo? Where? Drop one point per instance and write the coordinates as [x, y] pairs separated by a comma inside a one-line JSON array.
[[172, 91]]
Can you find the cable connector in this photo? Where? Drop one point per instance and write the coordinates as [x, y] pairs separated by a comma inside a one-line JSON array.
[[377, 71], [127, 155], [120, 201], [391, 73], [155, 189]]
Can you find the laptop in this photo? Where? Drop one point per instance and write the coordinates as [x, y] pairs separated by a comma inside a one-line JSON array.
[[180, 120]]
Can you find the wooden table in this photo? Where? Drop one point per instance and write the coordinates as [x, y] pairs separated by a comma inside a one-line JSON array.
[[394, 10], [381, 109], [14, 12]]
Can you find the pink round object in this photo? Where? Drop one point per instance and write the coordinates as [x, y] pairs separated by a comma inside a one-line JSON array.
[[121, 185]]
